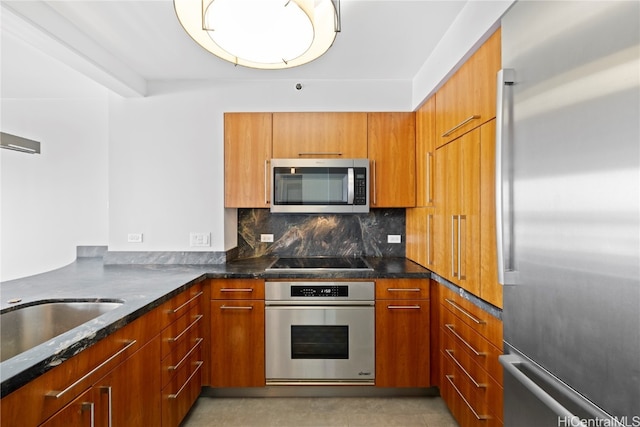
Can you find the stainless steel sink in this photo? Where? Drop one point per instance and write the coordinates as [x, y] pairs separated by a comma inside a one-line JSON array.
[[25, 327]]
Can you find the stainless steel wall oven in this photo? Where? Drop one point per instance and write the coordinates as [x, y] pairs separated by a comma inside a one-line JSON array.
[[320, 333]]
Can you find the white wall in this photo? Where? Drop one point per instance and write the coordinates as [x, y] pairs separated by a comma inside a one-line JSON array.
[[166, 159], [57, 200]]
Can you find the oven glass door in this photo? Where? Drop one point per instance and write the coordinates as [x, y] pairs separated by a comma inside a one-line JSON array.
[[320, 343]]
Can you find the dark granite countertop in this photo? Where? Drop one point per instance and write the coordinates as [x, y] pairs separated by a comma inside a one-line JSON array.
[[141, 288]]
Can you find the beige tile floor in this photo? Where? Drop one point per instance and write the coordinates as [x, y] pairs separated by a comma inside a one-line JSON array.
[[320, 411]]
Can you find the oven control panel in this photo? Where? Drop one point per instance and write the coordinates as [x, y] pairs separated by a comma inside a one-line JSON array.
[[320, 291]]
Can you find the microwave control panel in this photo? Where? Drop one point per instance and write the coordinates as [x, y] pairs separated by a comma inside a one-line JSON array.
[[360, 186]]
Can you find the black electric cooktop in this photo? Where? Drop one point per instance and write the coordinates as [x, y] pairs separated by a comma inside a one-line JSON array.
[[320, 263]]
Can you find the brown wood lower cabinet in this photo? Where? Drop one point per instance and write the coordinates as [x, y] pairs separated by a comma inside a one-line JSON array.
[[402, 333], [470, 342], [181, 355], [237, 333], [119, 381]]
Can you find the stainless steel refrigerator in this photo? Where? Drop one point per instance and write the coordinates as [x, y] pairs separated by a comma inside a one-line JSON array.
[[568, 208]]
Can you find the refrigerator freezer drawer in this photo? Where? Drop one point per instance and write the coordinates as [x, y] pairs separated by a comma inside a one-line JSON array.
[[534, 398]]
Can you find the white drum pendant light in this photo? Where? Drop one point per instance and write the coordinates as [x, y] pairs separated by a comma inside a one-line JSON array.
[[267, 34]]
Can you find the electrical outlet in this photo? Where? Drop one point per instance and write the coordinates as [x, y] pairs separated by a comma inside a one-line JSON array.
[[134, 238], [268, 238], [200, 239], [394, 238]]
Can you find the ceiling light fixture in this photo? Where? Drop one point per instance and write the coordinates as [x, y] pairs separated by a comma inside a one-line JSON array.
[[266, 34]]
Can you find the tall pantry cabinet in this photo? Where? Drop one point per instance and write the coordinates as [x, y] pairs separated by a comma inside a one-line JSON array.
[[452, 232]]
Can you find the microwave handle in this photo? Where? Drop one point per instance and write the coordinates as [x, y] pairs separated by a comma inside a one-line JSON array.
[[351, 185]]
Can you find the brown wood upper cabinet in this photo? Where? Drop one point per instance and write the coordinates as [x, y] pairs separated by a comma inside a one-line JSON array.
[[313, 135], [468, 98], [392, 157], [247, 153], [425, 151]]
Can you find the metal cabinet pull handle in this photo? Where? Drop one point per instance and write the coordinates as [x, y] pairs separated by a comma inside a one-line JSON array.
[[459, 125], [404, 289], [476, 352], [320, 153], [107, 390], [479, 417], [401, 307], [177, 337], [236, 290], [196, 296], [428, 183], [460, 233], [175, 395], [89, 406], [475, 383], [235, 307], [465, 312], [186, 356], [58, 394], [429, 244], [453, 258]]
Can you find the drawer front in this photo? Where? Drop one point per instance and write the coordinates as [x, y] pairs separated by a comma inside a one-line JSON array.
[[485, 324], [181, 331], [402, 289], [182, 390], [180, 355], [177, 306], [472, 404], [475, 347], [237, 289]]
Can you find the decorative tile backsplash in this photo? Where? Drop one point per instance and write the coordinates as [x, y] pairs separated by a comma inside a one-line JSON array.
[[321, 234]]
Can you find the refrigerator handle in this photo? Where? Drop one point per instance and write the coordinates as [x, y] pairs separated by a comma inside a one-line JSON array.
[[507, 275]]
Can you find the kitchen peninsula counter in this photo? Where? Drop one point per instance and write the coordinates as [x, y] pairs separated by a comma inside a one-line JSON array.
[[140, 288]]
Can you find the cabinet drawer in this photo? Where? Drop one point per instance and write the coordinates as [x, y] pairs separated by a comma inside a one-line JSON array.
[[473, 404], [177, 358], [402, 289], [184, 329], [475, 347], [477, 319], [182, 390], [180, 304], [237, 289]]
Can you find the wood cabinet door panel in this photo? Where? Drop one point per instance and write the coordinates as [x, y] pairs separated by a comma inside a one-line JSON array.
[[311, 135], [467, 99], [402, 343], [237, 343], [392, 159], [425, 147], [247, 152], [490, 289]]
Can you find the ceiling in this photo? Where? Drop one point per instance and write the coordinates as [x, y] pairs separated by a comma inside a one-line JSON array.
[[135, 42]]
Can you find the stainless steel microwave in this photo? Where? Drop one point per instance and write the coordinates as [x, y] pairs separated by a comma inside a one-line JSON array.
[[320, 185]]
